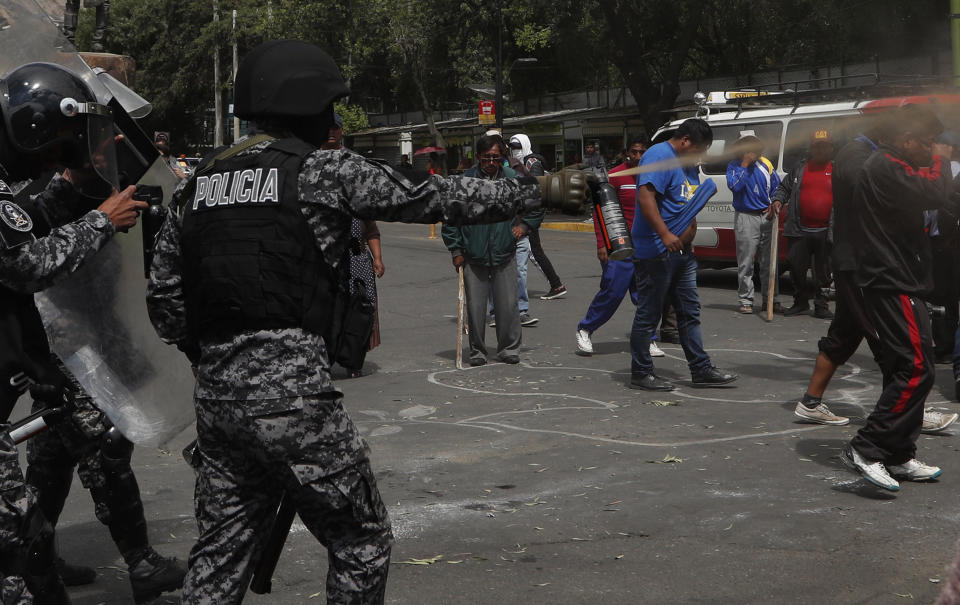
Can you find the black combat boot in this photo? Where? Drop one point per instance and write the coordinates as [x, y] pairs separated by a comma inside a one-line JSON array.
[[152, 575], [100, 29]]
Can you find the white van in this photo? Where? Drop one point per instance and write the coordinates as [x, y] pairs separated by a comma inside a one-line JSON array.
[[785, 131]]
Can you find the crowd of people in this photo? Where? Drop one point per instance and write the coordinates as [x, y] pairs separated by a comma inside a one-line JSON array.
[[271, 423], [863, 219]]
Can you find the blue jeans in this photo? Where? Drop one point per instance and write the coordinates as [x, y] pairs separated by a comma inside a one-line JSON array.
[[616, 280], [523, 258], [672, 276]]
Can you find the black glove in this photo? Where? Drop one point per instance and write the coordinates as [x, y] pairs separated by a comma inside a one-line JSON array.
[[565, 190], [53, 395]]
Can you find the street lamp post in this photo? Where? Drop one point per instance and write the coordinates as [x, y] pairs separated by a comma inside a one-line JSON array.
[[498, 107]]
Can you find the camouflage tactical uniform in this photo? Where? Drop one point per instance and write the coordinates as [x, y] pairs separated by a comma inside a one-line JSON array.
[[268, 415], [76, 442], [15, 501], [79, 439]]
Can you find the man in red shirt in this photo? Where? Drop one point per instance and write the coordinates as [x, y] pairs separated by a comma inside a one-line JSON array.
[[617, 276], [807, 193]]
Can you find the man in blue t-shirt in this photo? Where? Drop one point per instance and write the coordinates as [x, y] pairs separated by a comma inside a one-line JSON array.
[[664, 265]]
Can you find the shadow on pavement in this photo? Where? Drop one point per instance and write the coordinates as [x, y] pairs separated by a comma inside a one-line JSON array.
[[826, 453]]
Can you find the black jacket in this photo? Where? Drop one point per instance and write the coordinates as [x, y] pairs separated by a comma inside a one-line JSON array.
[[846, 170], [892, 247], [788, 194]]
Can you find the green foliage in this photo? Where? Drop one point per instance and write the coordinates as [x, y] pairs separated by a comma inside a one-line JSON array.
[[410, 55], [354, 117]]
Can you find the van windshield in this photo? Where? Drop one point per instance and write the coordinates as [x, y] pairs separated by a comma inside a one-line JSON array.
[[799, 130], [716, 160]]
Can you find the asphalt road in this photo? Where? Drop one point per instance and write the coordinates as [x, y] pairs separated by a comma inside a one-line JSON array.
[[552, 482]]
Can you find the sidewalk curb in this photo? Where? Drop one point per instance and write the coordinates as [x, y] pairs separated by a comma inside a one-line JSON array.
[[568, 226]]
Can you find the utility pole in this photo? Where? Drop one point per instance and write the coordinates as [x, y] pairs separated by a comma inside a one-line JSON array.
[[217, 100], [498, 107], [236, 120]]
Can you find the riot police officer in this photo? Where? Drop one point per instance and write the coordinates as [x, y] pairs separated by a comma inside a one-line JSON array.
[[244, 280], [50, 118], [71, 17]]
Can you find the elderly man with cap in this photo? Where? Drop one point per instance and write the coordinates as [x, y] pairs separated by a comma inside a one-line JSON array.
[[752, 178], [245, 281], [807, 194]]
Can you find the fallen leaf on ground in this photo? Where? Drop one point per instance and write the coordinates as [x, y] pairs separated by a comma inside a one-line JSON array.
[[667, 460], [427, 561]]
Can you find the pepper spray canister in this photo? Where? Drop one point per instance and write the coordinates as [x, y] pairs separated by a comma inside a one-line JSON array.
[[616, 232]]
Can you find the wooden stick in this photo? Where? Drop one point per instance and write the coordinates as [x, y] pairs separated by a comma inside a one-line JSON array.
[[774, 245], [461, 300]]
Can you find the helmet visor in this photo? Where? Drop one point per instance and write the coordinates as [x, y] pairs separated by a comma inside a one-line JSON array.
[[101, 151]]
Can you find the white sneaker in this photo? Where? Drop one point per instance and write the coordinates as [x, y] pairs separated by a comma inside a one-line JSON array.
[[914, 470], [584, 346], [655, 350], [874, 472], [820, 415], [935, 422]]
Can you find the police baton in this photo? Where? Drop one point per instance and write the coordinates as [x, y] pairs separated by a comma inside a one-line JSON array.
[[774, 252], [262, 575], [460, 319]]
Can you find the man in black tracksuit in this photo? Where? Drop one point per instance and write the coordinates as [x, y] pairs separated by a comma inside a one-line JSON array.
[[850, 325], [893, 270]]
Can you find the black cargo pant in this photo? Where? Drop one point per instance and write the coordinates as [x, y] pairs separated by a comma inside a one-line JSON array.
[[802, 250], [906, 356], [540, 257]]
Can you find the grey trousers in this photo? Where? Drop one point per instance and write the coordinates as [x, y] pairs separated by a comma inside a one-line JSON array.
[[478, 280], [752, 234]]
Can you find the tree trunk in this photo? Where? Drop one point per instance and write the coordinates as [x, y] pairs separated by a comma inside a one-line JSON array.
[[435, 135], [652, 93]]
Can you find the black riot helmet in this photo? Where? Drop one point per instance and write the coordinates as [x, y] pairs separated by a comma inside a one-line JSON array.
[[52, 118], [286, 79]]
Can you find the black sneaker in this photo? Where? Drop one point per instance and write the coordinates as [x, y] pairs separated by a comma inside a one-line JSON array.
[[526, 321], [511, 359], [554, 293], [797, 308], [713, 377], [478, 361], [650, 382], [154, 575], [74, 575]]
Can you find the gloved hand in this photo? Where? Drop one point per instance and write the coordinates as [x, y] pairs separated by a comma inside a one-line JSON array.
[[565, 190], [53, 395]]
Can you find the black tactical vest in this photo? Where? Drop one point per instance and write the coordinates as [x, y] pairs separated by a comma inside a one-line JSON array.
[[250, 261], [24, 350]]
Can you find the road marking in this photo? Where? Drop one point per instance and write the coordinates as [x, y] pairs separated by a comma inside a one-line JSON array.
[[487, 422]]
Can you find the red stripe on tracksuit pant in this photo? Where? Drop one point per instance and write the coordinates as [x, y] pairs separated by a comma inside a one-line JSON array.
[[906, 358]]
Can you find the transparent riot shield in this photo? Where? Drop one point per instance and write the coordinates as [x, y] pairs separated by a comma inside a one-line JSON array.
[[97, 319]]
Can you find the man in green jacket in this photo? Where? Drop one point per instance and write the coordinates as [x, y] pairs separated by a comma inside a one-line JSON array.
[[487, 254]]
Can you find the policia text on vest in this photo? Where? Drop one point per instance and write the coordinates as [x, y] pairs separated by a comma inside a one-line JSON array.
[[238, 187]]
